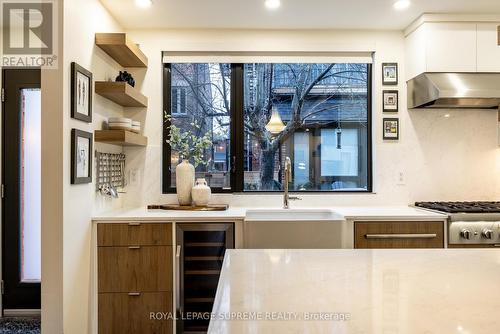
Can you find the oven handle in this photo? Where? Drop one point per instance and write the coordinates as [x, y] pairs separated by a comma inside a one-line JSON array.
[[402, 236]]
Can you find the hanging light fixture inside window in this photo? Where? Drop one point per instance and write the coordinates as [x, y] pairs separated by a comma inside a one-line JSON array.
[[275, 124]]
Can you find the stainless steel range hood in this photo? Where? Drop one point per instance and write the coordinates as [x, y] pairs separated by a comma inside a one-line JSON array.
[[454, 90]]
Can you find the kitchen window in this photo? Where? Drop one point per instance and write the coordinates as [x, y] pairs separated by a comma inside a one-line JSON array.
[[256, 114]]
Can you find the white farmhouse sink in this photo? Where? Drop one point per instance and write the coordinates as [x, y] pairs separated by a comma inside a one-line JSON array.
[[291, 215], [294, 229]]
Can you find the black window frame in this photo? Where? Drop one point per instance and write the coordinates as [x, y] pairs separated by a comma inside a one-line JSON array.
[[236, 169]]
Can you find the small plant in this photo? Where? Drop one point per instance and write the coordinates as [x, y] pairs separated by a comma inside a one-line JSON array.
[[189, 146]]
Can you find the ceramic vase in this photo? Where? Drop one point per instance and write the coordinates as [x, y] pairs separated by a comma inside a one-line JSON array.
[[201, 193], [184, 177]]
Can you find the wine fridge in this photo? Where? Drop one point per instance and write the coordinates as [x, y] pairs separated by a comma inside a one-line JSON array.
[[200, 253]]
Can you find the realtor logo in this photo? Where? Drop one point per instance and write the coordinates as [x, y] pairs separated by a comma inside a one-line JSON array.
[[28, 33]]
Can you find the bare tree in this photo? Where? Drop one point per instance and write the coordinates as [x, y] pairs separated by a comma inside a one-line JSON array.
[[261, 85]]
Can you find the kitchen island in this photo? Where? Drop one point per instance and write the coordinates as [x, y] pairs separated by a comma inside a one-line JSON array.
[[358, 291]]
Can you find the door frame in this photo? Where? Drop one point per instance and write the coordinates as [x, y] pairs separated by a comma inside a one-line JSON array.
[[21, 311]]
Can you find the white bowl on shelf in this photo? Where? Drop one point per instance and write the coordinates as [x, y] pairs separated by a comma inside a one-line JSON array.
[[119, 126], [120, 120]]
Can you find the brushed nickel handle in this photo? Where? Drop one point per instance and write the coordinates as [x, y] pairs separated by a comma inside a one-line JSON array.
[[134, 294], [134, 247], [134, 224], [402, 236], [496, 245], [178, 277]]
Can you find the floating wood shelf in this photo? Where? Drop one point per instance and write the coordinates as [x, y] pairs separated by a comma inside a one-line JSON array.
[[120, 137], [121, 93], [121, 49]]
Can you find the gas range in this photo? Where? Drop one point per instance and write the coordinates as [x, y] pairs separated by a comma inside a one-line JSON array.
[[469, 223]]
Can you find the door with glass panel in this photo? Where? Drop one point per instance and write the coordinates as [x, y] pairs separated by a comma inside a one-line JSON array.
[[21, 193]]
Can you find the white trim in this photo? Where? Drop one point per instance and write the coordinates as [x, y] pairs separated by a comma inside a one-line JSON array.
[[363, 57], [441, 18], [22, 313]]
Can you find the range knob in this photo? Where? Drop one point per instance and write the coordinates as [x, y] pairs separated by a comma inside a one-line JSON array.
[[466, 234], [487, 233]]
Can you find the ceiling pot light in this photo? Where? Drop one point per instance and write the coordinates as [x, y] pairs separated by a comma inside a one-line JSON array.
[[402, 4], [143, 3], [272, 4]]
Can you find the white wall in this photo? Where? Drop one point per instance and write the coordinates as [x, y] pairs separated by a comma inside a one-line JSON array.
[[83, 18], [441, 158]]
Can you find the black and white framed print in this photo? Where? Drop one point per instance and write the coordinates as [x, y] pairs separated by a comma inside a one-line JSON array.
[[391, 100], [390, 74], [81, 93], [81, 157], [391, 128]]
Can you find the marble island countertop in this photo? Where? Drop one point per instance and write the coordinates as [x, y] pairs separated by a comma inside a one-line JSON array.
[[349, 213], [358, 291]]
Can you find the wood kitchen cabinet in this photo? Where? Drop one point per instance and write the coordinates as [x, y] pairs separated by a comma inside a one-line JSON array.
[[399, 234], [135, 271]]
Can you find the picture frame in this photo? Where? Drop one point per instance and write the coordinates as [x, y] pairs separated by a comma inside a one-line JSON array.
[[81, 157], [81, 93], [390, 100], [389, 74], [390, 128]]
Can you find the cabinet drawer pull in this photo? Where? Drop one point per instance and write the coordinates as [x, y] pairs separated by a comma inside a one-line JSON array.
[[134, 224], [134, 247], [178, 251], [134, 294], [402, 236]]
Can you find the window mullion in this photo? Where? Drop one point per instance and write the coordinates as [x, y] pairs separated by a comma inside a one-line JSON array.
[[237, 127]]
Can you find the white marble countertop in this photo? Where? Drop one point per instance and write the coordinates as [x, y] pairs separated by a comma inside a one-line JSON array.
[[350, 213], [358, 291]]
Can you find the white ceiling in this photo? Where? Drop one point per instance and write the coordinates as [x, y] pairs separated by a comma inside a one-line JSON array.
[[293, 14]]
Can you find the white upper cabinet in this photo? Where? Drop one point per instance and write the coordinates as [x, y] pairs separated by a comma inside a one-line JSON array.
[[441, 47], [451, 47], [488, 50]]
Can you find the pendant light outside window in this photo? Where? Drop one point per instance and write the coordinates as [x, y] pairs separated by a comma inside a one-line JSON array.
[[275, 124]]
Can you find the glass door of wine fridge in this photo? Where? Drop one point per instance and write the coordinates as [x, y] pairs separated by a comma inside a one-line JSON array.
[[200, 250]]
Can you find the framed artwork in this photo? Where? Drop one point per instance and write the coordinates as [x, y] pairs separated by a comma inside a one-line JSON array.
[[389, 74], [391, 100], [391, 128], [81, 93], [81, 157]]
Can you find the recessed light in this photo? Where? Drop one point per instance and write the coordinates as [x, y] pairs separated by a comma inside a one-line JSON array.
[[143, 3], [272, 4], [402, 4]]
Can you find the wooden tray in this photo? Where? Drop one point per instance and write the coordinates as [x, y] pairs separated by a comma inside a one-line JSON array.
[[214, 207]]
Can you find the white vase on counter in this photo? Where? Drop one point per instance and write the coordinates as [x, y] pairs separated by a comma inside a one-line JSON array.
[[184, 178], [201, 193]]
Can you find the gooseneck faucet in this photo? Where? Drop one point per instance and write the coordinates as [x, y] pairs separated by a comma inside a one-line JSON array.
[[288, 176]]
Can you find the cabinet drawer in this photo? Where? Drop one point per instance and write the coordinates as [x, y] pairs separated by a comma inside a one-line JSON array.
[[135, 269], [121, 313], [143, 234], [398, 235]]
